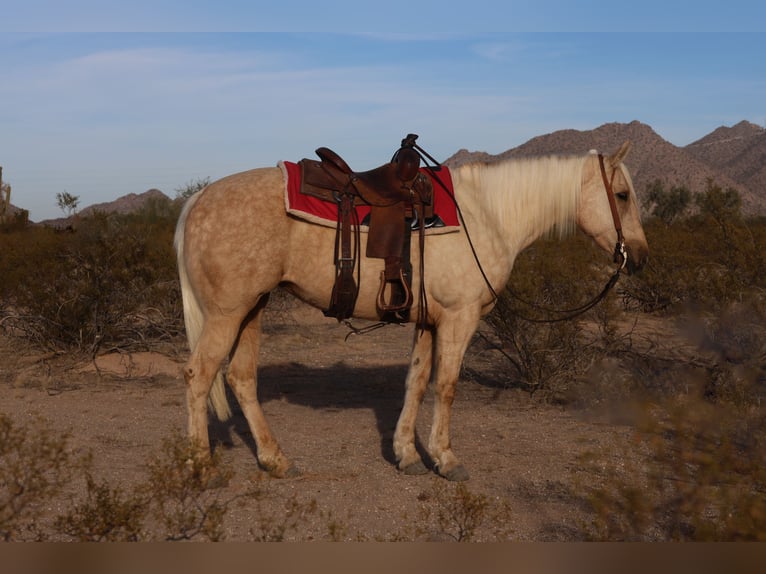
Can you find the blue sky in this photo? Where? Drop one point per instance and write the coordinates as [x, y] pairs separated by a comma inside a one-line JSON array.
[[104, 104]]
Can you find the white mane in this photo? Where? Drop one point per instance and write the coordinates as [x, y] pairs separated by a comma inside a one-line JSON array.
[[541, 192]]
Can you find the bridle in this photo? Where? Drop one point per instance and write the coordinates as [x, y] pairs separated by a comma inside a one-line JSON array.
[[620, 256]]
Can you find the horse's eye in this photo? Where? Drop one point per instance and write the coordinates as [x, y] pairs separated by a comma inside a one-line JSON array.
[[622, 195]]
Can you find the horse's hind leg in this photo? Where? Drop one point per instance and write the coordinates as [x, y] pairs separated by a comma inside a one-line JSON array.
[[242, 377], [215, 343]]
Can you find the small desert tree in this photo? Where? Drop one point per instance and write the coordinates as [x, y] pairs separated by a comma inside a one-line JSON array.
[[668, 205], [192, 187], [67, 202]]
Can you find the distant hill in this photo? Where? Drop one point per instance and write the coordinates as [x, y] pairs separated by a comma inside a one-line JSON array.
[[12, 211], [126, 204], [732, 157], [739, 152]]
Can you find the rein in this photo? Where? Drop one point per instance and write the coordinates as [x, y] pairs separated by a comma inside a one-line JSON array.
[[433, 171], [620, 256]]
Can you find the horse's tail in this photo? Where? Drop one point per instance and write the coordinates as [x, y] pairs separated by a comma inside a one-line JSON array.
[[194, 319]]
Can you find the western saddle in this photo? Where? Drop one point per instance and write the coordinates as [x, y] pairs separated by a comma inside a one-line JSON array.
[[399, 196]]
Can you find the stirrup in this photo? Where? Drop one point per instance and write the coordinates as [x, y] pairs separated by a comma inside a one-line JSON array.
[[392, 307]]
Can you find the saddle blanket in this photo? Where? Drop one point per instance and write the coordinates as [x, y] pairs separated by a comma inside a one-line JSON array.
[[315, 210]]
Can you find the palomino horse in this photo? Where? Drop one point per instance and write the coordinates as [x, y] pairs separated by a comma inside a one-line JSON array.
[[236, 243]]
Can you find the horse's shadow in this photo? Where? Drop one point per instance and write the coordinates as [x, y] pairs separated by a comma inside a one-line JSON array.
[[380, 389]]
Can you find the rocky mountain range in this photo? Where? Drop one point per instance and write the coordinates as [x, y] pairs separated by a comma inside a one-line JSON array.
[[733, 157]]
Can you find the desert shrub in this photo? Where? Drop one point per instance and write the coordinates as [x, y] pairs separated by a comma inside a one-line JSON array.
[[459, 513], [35, 466], [705, 261], [667, 204], [184, 497], [451, 512], [550, 279], [694, 470], [111, 283], [694, 466], [185, 491], [707, 270], [275, 522], [107, 514]]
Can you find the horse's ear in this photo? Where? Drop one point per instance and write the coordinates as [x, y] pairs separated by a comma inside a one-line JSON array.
[[618, 157]]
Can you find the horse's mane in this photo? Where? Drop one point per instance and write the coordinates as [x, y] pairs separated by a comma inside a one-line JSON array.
[[540, 190]]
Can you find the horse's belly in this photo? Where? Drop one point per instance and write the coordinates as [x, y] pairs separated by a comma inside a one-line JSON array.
[[310, 272]]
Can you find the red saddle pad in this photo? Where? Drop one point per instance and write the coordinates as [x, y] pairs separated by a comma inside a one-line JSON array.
[[326, 213]]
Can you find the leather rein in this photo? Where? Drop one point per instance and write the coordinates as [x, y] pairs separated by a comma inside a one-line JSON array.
[[620, 256]]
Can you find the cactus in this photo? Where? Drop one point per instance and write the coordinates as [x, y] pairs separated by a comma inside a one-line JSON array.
[[5, 198], [4, 201]]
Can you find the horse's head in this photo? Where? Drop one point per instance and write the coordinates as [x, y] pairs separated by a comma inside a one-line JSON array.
[[608, 210]]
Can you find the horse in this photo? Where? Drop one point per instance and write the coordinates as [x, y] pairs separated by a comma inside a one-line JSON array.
[[236, 243]]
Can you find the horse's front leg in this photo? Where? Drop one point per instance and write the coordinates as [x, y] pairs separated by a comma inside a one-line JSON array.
[[453, 335], [407, 456]]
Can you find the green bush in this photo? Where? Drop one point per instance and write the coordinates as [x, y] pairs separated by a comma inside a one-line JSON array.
[[706, 261]]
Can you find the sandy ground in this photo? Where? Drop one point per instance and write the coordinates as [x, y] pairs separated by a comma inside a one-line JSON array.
[[333, 405]]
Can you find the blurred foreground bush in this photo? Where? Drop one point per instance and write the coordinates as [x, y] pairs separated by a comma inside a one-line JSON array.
[[694, 470]]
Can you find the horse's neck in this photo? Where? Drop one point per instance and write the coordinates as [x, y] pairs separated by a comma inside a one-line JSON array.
[[526, 198]]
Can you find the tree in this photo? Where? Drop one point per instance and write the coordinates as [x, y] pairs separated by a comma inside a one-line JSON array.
[[189, 189], [667, 205], [67, 202], [719, 204]]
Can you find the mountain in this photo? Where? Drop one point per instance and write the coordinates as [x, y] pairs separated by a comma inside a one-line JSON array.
[[653, 157], [738, 152], [126, 204], [733, 157], [129, 203]]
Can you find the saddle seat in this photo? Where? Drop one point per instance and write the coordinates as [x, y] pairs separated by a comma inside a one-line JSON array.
[[396, 192], [379, 187]]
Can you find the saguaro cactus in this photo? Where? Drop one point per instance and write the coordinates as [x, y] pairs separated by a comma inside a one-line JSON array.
[[5, 197]]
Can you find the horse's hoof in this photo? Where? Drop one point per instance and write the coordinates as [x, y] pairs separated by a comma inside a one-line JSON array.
[[415, 468], [291, 472], [456, 474], [282, 471]]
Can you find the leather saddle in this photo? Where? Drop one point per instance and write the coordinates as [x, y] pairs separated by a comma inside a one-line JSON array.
[[397, 193]]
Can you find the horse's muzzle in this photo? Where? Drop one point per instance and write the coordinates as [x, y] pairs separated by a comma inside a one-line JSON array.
[[638, 255]]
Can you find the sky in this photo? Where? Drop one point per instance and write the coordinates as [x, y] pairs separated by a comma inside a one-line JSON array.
[[101, 103]]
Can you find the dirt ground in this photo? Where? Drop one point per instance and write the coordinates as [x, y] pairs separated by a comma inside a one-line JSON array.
[[333, 404]]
